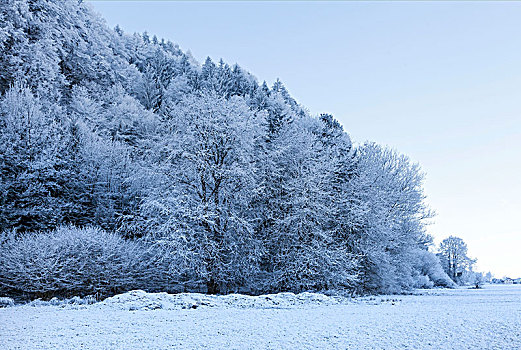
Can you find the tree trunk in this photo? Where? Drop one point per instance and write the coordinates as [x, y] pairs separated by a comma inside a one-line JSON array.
[[212, 286]]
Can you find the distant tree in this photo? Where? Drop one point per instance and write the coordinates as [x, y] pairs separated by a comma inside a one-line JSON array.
[[208, 74], [259, 99], [243, 83], [223, 79], [488, 277], [477, 279], [454, 259]]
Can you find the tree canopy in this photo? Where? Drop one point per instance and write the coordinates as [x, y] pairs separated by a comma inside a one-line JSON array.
[[236, 180]]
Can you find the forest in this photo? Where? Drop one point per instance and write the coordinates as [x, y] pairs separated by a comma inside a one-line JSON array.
[[126, 164]]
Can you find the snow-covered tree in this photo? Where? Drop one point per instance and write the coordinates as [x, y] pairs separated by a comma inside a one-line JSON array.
[[34, 163], [477, 279], [208, 182], [389, 215], [454, 258], [301, 249]]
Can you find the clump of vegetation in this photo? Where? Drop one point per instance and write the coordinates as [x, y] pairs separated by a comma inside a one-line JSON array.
[[234, 183], [68, 262]]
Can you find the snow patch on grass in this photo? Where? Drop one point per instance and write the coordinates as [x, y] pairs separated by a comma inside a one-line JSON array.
[[141, 300], [74, 301]]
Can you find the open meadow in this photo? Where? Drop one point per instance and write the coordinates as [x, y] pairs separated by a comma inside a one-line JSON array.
[[488, 318]]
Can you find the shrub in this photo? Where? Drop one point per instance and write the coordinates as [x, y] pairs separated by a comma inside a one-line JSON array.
[[73, 261], [6, 302], [428, 265]]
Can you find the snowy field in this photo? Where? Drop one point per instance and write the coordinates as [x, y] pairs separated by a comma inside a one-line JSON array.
[[489, 318]]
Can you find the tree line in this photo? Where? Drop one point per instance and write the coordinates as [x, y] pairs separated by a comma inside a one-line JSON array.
[[211, 180]]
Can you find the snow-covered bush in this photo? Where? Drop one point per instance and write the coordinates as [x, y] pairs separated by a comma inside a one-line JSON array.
[[429, 268], [88, 300], [71, 261], [6, 301], [423, 281], [476, 279]]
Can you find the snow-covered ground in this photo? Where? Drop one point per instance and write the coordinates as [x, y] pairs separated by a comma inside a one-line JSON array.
[[489, 318]]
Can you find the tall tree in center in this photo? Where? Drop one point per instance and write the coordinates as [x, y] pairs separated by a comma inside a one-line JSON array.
[[211, 180]]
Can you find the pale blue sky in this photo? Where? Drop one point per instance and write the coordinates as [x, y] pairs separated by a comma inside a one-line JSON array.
[[439, 81]]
